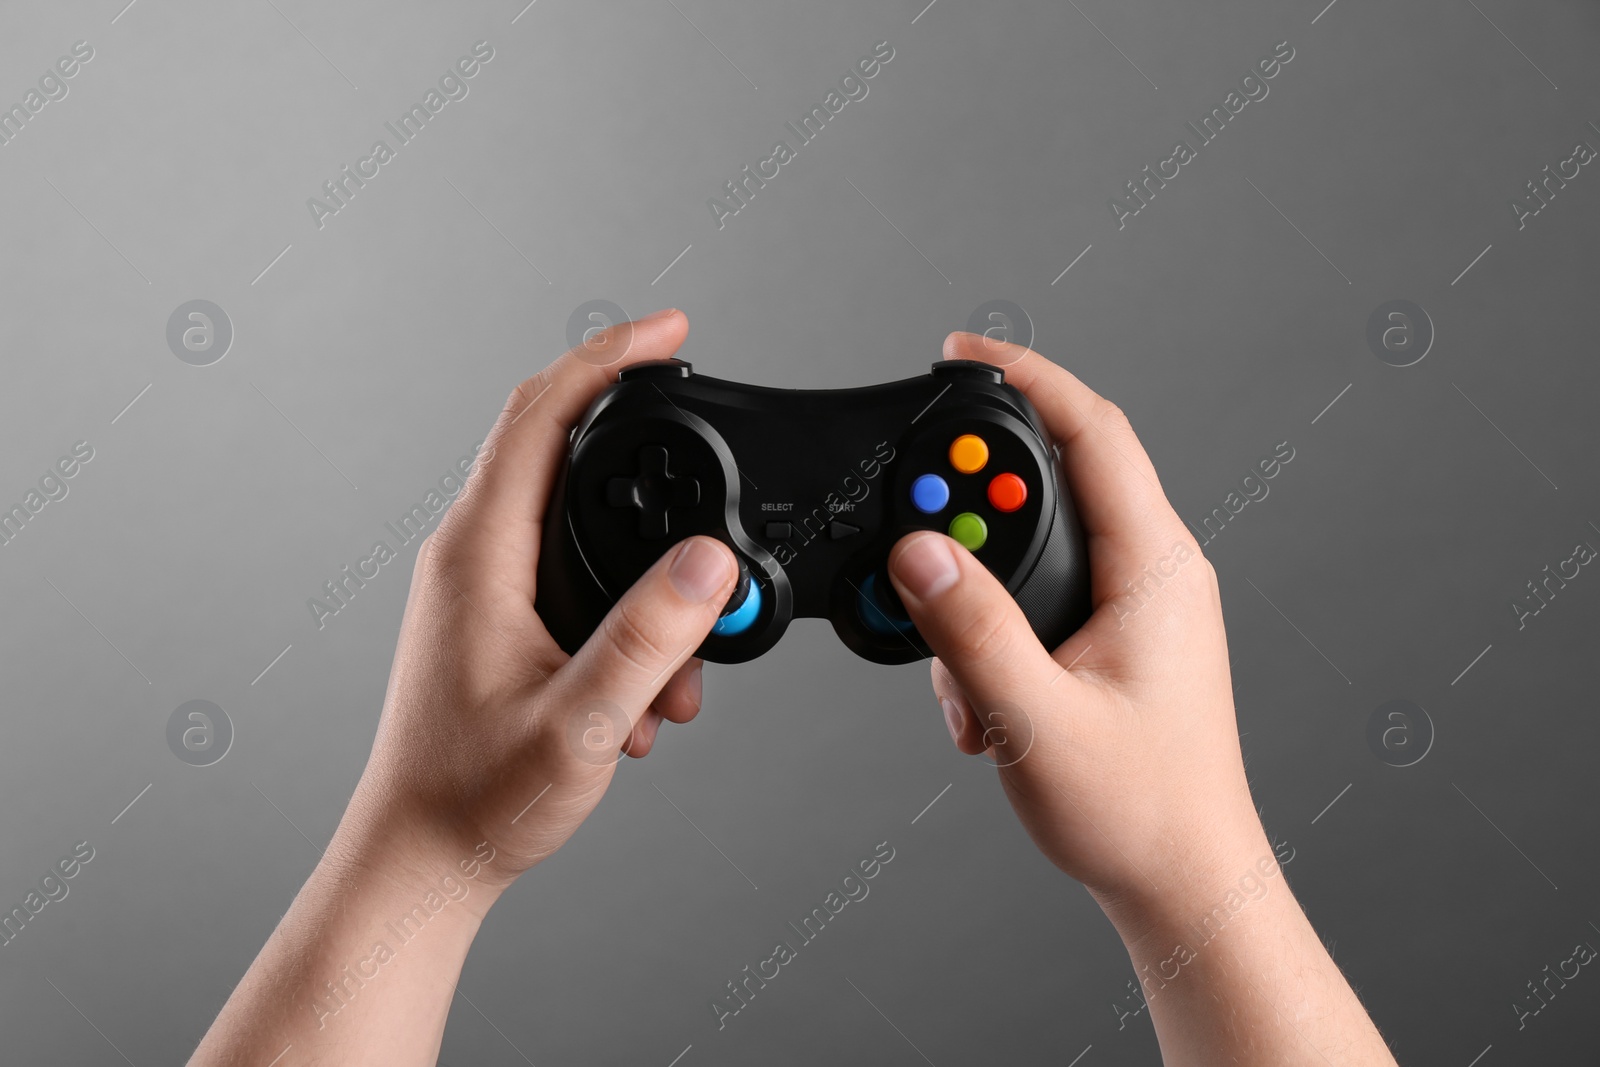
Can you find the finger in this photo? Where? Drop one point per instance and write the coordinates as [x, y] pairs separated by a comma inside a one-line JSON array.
[[642, 738], [494, 527], [652, 631], [970, 621], [679, 699], [491, 645], [959, 718], [1114, 485]]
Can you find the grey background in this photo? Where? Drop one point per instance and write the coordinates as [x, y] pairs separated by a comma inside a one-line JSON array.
[[378, 350]]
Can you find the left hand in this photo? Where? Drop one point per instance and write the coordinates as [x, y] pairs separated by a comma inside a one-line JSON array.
[[490, 733]]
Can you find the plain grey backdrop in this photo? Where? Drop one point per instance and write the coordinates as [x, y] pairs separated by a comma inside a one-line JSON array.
[[371, 352]]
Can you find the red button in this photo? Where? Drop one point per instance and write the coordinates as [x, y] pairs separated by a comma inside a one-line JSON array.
[[1008, 492]]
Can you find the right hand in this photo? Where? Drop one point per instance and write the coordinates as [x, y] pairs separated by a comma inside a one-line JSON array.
[[1119, 750]]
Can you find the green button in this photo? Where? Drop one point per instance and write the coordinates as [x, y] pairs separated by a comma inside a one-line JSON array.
[[970, 530]]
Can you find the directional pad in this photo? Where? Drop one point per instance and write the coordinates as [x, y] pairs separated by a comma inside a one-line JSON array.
[[653, 492]]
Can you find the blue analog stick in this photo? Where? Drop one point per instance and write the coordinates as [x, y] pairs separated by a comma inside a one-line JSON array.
[[880, 616], [742, 617]]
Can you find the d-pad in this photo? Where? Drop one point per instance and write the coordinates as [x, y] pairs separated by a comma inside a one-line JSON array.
[[653, 492]]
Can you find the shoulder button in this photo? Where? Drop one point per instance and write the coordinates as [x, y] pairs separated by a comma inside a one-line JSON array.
[[969, 369], [656, 368]]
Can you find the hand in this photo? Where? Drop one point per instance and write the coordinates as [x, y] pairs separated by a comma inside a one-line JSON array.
[[1120, 753], [491, 736], [490, 733], [493, 745], [1118, 750]]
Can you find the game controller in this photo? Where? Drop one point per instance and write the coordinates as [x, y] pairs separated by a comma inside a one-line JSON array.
[[810, 489]]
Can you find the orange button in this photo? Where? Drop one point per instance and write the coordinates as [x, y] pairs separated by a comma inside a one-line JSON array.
[[1008, 492], [968, 454]]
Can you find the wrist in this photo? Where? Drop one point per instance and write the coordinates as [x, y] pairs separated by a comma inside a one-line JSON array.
[[408, 860], [1208, 881], [386, 918]]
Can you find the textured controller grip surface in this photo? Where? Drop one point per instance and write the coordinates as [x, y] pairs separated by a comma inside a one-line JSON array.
[[569, 599], [1055, 597]]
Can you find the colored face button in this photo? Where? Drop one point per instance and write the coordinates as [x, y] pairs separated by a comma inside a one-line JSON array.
[[968, 453], [1008, 492], [930, 494], [970, 530]]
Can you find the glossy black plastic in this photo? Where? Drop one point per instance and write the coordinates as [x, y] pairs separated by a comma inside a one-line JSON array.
[[811, 489]]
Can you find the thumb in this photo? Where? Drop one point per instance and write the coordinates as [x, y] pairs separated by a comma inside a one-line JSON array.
[[971, 622], [652, 631]]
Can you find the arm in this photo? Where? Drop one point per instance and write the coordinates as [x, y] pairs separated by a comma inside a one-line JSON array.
[[1127, 771], [493, 747]]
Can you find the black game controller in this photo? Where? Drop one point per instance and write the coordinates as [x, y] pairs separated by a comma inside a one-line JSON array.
[[810, 489]]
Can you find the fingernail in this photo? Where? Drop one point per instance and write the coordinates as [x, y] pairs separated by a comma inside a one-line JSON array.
[[700, 570], [927, 567], [656, 316], [952, 718], [696, 685]]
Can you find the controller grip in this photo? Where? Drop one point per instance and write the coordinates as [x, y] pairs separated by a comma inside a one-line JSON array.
[[568, 598], [1055, 596]]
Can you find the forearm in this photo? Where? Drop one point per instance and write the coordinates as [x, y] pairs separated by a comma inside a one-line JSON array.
[[362, 968], [1237, 938]]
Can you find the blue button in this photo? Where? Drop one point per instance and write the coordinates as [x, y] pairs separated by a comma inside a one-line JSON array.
[[742, 617], [878, 616], [930, 494]]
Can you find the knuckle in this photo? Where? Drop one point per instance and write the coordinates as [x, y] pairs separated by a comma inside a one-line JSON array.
[[517, 400], [633, 638], [528, 391], [1210, 585], [445, 552], [987, 635], [1109, 416], [438, 554], [1196, 574], [446, 539]]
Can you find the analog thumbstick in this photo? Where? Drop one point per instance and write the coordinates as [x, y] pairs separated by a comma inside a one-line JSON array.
[[743, 607]]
